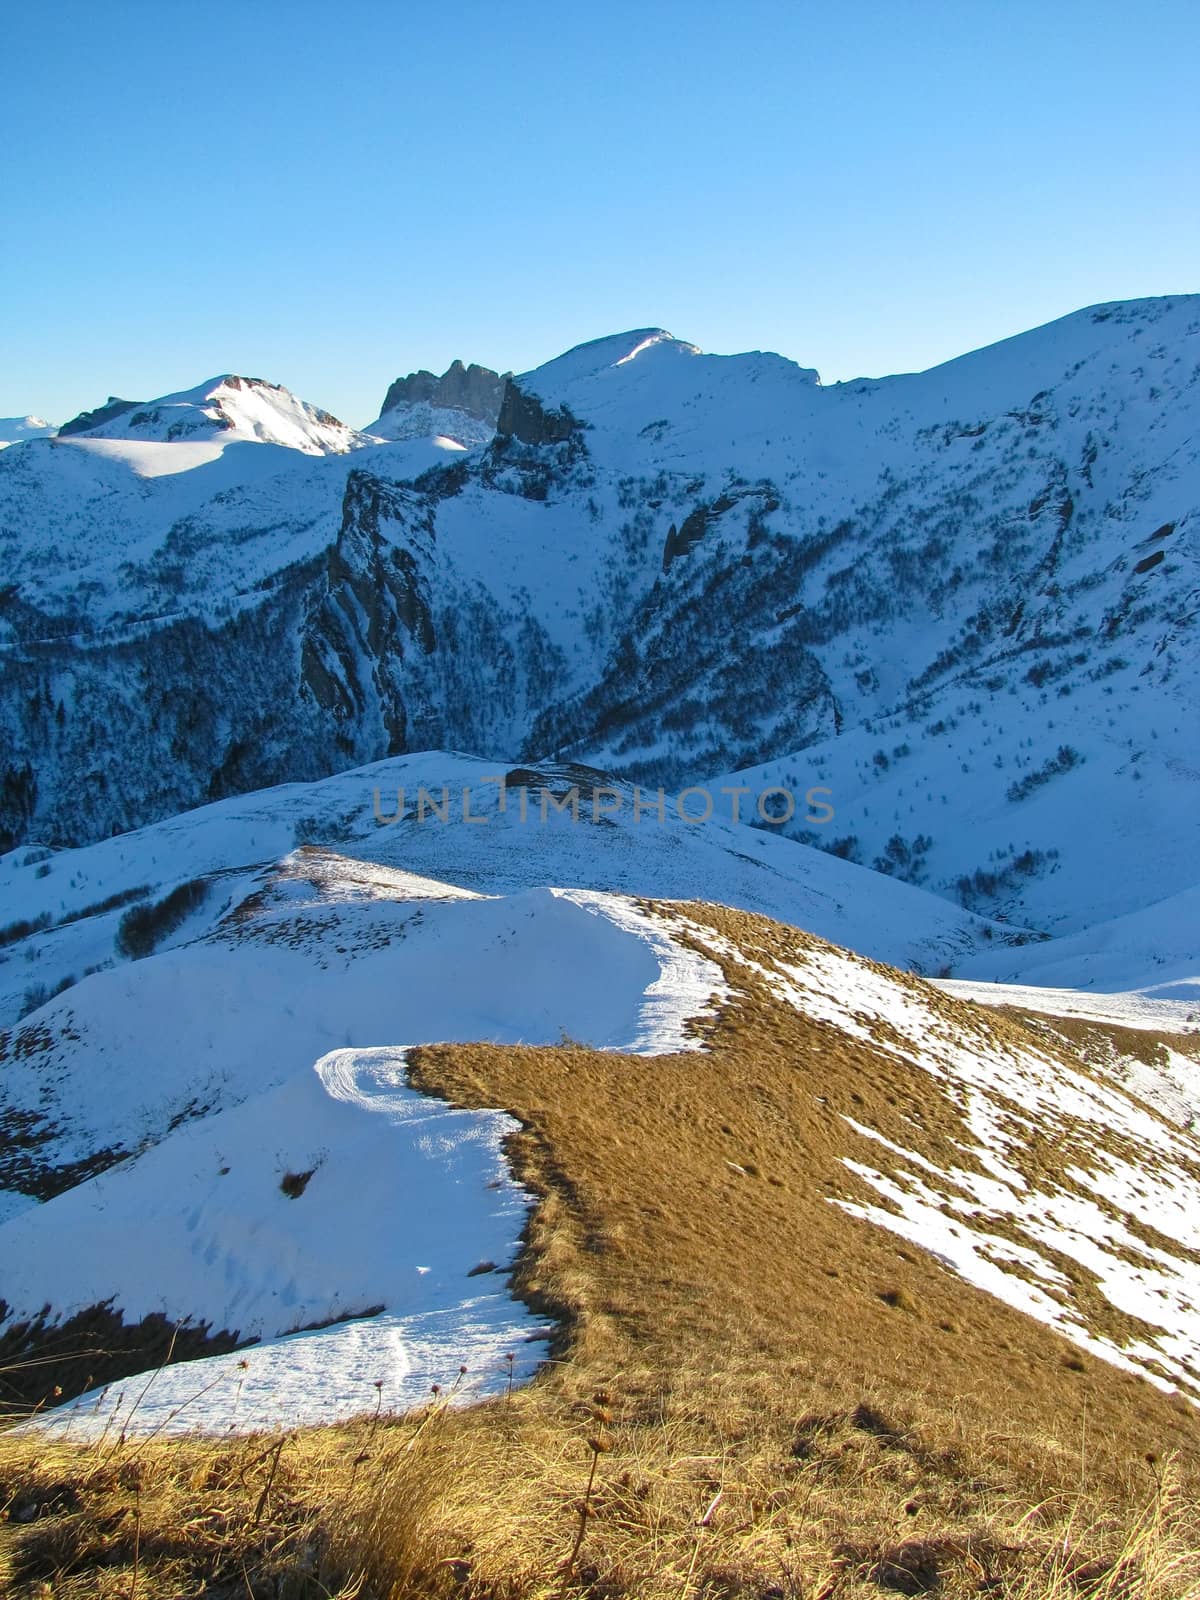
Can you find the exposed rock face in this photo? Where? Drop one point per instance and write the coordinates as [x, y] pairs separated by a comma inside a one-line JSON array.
[[476, 390], [680, 540], [523, 416], [87, 420], [370, 612]]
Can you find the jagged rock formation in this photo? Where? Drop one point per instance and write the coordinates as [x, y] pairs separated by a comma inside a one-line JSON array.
[[476, 390], [461, 405], [522, 416]]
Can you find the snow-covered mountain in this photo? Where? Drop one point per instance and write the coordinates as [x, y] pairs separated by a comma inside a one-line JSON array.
[[15, 430], [919, 654], [227, 409], [962, 601]]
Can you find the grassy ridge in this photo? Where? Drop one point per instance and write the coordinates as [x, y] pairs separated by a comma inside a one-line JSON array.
[[752, 1392]]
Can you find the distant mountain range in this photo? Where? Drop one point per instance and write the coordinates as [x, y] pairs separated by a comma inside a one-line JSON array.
[[14, 430], [963, 601]]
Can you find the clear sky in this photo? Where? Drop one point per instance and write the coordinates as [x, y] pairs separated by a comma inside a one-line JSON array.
[[328, 195]]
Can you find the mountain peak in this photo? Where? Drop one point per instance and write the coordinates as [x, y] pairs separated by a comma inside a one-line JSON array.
[[230, 408], [14, 430], [611, 350], [463, 404]]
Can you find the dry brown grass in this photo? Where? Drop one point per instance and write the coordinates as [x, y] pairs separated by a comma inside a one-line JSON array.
[[788, 1402], [710, 1485]]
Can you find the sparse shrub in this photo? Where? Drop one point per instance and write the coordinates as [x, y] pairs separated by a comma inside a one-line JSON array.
[[112, 902], [901, 859], [36, 995], [310, 830], [847, 848], [1063, 761], [975, 889], [898, 1298], [39, 994], [143, 928], [14, 932]]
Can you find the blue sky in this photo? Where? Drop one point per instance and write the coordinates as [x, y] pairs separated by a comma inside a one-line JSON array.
[[328, 196]]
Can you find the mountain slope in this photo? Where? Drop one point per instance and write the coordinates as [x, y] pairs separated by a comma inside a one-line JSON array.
[[259, 1135], [321, 951], [963, 594], [226, 408], [443, 817], [754, 1384]]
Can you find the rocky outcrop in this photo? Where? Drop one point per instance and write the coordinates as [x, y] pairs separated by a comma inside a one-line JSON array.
[[696, 524], [87, 420], [522, 416], [476, 390], [371, 611]]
